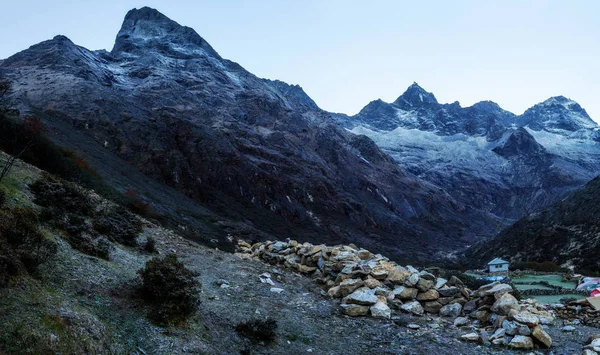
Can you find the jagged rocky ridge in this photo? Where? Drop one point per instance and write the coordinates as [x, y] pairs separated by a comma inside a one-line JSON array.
[[503, 165], [565, 233], [258, 154]]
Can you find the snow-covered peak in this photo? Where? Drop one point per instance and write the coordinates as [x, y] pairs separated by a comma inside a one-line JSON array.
[[147, 28], [415, 95], [557, 114]]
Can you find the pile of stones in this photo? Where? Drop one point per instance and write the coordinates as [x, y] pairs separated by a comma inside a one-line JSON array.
[[368, 284], [580, 311], [505, 321]]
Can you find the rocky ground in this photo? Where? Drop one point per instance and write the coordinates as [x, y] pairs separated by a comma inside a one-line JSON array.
[[78, 303]]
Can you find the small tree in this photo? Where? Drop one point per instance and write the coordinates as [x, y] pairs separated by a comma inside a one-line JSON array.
[[33, 128], [170, 288]]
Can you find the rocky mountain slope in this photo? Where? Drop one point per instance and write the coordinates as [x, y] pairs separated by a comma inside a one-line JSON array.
[[485, 157], [251, 156], [78, 303], [218, 151], [565, 233]]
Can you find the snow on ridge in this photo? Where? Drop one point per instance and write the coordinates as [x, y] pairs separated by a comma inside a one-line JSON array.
[[565, 142], [423, 151]]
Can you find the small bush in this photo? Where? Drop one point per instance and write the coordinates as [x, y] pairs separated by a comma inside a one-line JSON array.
[[88, 244], [2, 197], [61, 196], [258, 330], [23, 247], [119, 225], [150, 246], [170, 289]]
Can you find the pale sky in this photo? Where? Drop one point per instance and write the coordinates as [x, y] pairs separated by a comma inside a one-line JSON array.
[[347, 53]]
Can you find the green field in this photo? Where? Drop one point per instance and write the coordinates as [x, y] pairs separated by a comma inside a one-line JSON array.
[[550, 299], [556, 280]]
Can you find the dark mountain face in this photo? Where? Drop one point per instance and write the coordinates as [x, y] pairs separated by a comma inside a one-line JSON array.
[[222, 151], [567, 232], [500, 164]]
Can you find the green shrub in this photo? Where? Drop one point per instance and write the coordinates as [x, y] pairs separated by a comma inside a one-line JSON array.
[[23, 247], [61, 197], [258, 330], [150, 246], [119, 225], [97, 246], [2, 197], [170, 289]]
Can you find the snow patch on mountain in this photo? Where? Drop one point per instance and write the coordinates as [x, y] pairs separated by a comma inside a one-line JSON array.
[[423, 151]]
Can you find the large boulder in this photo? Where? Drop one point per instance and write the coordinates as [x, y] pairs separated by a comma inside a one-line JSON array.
[[381, 310], [451, 310], [354, 310], [451, 291], [425, 284], [363, 296], [521, 342], [430, 295], [527, 318], [397, 276], [505, 303], [461, 321], [541, 335], [493, 288], [432, 307], [413, 307], [511, 328], [412, 280], [349, 285], [470, 337], [405, 293]]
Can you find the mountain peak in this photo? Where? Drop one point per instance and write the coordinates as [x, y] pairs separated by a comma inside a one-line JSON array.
[[145, 13], [415, 95], [148, 28], [557, 113]]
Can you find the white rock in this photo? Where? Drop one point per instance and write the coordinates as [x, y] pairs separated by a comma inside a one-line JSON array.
[[413, 279], [521, 342], [363, 295], [413, 326], [440, 282], [413, 307], [451, 310], [527, 318], [381, 310], [470, 337], [461, 321], [276, 290]]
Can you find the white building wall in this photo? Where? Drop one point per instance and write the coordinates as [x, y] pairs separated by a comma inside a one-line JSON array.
[[498, 267]]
